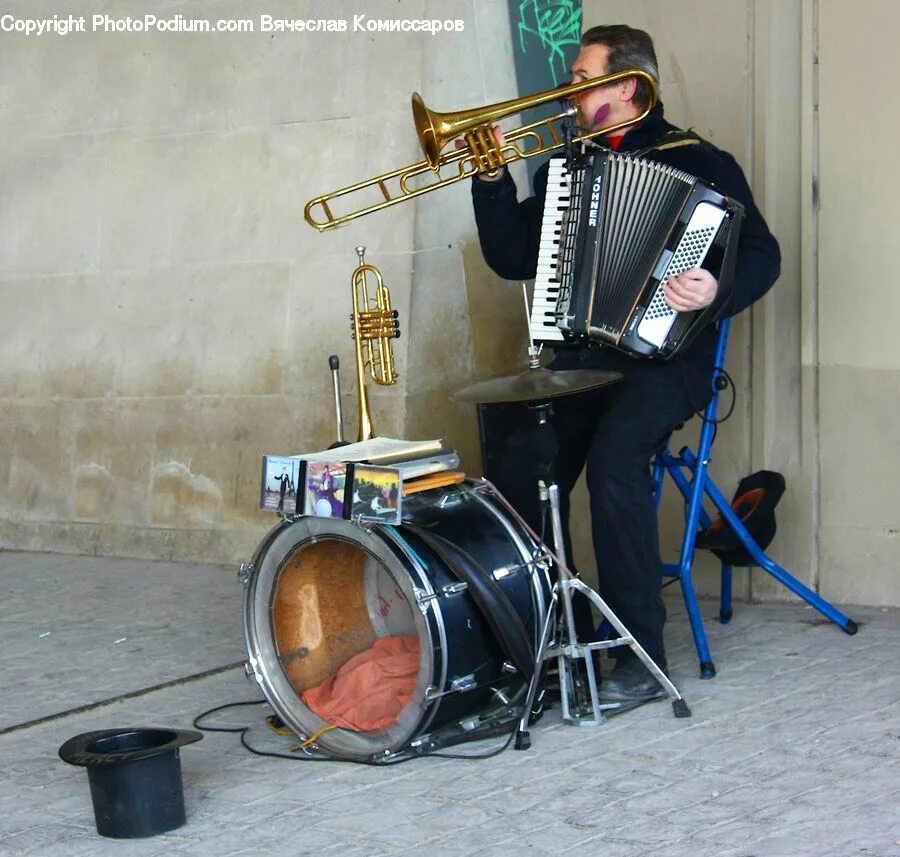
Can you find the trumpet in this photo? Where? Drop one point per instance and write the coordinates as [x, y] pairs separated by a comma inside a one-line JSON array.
[[481, 154], [375, 325]]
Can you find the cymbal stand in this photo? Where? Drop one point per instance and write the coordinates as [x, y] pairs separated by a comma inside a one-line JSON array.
[[560, 639]]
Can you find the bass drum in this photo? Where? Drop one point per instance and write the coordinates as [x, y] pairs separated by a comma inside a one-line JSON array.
[[323, 592]]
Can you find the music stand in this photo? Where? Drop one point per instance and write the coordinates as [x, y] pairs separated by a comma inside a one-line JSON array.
[[537, 387]]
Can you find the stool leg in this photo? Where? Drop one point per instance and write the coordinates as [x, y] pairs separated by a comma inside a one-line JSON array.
[[763, 561], [707, 667], [692, 493], [725, 596]]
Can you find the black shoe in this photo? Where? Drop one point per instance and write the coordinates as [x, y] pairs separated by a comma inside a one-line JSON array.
[[631, 681]]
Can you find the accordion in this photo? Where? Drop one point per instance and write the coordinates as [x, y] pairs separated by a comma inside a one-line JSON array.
[[615, 227]]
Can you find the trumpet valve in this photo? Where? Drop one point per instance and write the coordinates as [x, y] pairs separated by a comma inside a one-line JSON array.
[[378, 324]]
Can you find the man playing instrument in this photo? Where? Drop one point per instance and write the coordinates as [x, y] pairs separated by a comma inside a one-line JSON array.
[[615, 431]]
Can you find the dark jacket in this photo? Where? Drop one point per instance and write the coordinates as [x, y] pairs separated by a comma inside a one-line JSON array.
[[509, 231]]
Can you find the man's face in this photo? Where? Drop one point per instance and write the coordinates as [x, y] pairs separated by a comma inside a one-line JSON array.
[[605, 105]]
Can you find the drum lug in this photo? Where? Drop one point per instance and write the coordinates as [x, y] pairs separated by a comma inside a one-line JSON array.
[[470, 724], [423, 598], [543, 560], [245, 572], [503, 571], [422, 744], [509, 667], [250, 672], [448, 501], [463, 684], [454, 588]]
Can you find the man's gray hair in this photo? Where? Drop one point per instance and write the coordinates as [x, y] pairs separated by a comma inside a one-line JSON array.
[[628, 48]]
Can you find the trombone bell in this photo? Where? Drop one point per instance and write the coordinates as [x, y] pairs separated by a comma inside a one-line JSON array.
[[429, 138]]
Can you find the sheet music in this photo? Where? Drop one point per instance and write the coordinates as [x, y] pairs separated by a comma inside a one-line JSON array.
[[378, 450]]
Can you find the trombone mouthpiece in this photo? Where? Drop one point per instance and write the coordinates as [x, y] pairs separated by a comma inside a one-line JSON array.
[[361, 252]]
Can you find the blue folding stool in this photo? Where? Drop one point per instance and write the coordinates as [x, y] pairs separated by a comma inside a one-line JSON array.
[[689, 473]]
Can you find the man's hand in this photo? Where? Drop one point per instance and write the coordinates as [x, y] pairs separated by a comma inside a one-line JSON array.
[[691, 290]]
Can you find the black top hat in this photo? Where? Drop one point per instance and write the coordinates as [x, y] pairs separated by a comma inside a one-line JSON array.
[[135, 777], [118, 746]]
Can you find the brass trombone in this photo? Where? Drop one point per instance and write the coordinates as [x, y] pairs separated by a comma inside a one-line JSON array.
[[375, 324], [481, 153]]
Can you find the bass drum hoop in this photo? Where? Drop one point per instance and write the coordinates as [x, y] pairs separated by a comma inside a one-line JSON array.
[[279, 545]]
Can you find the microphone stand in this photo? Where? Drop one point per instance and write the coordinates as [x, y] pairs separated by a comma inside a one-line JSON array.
[[335, 364]]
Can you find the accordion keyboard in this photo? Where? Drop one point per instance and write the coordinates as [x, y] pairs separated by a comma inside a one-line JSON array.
[[547, 282]]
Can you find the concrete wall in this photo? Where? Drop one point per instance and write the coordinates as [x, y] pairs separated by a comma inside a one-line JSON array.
[[167, 313], [858, 302], [794, 89]]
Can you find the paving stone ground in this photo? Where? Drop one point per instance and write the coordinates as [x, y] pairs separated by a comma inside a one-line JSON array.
[[793, 749]]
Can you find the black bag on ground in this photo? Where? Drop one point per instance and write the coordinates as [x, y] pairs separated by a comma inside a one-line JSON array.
[[754, 503]]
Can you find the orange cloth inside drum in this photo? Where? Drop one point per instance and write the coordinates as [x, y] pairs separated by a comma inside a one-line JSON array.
[[371, 689]]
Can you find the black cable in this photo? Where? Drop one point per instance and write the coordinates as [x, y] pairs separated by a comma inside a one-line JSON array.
[[488, 755], [243, 730], [199, 717], [721, 381]]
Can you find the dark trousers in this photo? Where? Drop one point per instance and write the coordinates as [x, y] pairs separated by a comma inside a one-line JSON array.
[[614, 432]]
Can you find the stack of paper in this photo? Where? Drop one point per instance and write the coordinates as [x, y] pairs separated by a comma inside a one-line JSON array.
[[378, 450]]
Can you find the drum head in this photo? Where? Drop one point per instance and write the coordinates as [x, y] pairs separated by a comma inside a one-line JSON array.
[[330, 602]]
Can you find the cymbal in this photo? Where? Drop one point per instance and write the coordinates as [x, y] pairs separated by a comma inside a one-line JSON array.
[[535, 385]]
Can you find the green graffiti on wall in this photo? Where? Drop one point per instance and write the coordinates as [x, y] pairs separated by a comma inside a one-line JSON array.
[[556, 24]]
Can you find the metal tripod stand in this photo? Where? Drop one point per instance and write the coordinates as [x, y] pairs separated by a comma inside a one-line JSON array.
[[579, 687]]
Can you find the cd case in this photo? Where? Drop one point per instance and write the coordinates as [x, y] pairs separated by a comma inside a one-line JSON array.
[[326, 489], [364, 493], [377, 494], [280, 483]]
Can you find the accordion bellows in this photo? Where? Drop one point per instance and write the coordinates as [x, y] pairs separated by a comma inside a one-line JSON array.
[[614, 228]]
